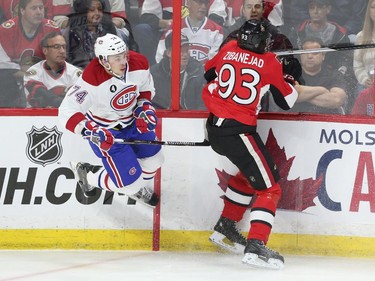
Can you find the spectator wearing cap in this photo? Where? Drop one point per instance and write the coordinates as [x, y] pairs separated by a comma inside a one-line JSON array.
[[191, 82]]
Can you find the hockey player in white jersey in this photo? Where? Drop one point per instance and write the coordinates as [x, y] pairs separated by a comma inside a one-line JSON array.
[[112, 99]]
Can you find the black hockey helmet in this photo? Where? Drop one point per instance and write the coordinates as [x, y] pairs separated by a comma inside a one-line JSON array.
[[254, 36]]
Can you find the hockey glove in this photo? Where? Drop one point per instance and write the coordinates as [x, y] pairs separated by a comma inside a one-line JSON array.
[[100, 136], [290, 79], [145, 116], [293, 67]]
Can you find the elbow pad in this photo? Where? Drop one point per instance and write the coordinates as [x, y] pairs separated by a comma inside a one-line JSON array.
[[210, 75]]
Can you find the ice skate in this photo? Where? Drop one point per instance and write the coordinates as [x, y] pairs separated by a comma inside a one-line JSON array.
[[228, 237], [259, 255], [145, 196], [80, 171]]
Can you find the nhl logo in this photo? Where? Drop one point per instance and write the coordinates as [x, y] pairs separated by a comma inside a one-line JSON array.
[[44, 145]]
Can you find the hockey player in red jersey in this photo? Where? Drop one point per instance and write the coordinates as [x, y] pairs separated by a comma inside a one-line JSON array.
[[112, 99], [239, 75]]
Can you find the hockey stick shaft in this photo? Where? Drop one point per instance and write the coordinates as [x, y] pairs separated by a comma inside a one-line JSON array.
[[331, 48], [171, 143]]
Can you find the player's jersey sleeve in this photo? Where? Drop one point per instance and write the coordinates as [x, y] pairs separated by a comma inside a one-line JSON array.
[[76, 103], [284, 94]]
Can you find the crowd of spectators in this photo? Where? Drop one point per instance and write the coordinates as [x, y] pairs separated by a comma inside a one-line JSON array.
[[146, 26]]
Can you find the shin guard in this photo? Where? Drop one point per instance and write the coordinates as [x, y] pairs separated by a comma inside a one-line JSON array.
[[263, 213], [237, 197]]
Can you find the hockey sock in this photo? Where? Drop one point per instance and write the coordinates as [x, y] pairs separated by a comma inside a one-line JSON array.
[[103, 181], [94, 176], [237, 197], [263, 213], [148, 176]]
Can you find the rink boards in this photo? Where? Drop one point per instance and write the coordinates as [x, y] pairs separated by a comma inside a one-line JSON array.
[[327, 207]]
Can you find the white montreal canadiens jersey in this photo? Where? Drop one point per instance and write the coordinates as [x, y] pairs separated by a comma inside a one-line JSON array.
[[37, 75], [104, 98], [204, 41]]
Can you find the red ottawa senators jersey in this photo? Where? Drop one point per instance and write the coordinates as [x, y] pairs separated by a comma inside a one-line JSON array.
[[16, 48], [243, 77]]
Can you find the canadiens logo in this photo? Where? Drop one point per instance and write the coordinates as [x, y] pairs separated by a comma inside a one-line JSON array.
[[132, 171], [8, 24], [44, 145], [199, 51], [124, 98]]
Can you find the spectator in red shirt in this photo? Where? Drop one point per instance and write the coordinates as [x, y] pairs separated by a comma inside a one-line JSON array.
[[364, 104], [20, 39]]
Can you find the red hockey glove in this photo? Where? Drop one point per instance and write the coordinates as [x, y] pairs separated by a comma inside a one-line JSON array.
[[100, 136], [145, 115]]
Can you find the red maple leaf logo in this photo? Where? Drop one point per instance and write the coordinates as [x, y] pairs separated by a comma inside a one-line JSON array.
[[297, 195]]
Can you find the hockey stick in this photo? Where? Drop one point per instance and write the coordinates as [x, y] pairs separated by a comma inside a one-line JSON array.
[[154, 142], [331, 48]]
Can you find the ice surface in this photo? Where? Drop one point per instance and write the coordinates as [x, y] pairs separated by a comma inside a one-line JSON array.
[[168, 266]]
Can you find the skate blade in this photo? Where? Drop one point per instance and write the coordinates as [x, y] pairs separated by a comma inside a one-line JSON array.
[[254, 261], [86, 194], [132, 200], [73, 166], [218, 239]]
